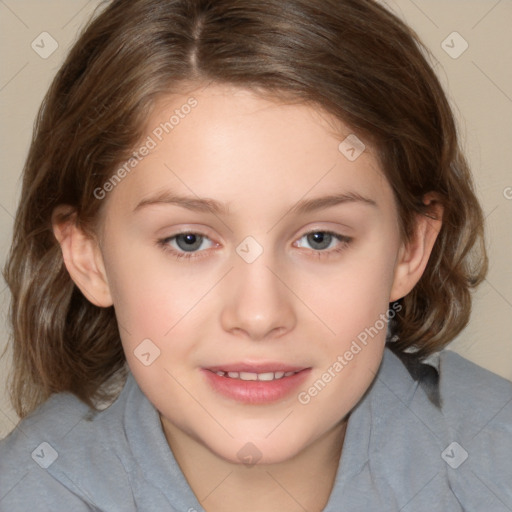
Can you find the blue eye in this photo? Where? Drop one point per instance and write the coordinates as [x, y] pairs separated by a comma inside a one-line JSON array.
[[188, 244], [320, 240]]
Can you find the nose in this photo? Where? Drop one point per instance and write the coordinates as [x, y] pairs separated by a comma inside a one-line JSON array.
[[259, 304]]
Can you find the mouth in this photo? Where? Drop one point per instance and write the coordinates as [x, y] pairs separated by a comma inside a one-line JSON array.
[[255, 384], [266, 376]]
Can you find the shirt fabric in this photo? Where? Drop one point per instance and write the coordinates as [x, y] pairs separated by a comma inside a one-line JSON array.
[[401, 452]]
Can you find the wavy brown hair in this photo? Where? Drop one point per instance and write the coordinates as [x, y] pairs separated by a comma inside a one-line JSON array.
[[351, 58]]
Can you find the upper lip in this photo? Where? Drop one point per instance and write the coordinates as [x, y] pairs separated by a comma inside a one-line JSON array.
[[256, 367]]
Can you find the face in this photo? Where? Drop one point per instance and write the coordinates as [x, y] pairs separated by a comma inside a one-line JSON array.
[[253, 275]]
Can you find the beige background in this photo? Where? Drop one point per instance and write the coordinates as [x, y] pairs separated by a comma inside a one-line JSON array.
[[478, 82]]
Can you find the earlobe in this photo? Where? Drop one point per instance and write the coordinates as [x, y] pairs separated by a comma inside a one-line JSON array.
[[82, 257], [415, 253]]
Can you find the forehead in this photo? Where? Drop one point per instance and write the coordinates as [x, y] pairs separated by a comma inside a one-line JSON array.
[[239, 147]]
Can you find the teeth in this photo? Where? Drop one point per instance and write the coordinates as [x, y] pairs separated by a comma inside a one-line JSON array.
[[268, 376], [248, 376]]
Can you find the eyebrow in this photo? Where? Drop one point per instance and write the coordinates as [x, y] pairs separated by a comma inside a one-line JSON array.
[[207, 205]]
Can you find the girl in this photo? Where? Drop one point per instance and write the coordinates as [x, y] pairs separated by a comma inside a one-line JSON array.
[[246, 233]]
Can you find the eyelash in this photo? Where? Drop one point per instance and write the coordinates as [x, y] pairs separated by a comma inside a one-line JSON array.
[[344, 244]]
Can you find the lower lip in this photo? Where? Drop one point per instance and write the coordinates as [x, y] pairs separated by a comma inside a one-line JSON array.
[[256, 391]]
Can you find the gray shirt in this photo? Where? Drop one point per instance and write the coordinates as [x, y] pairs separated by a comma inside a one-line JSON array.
[[401, 452]]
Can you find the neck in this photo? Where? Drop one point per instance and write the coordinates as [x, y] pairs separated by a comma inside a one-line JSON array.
[[303, 482]]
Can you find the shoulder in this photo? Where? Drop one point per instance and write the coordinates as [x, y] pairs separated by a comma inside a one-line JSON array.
[[473, 397], [464, 444], [63, 416], [30, 449], [59, 433], [468, 393], [477, 408]]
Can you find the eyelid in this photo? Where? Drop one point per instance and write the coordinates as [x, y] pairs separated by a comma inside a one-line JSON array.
[[164, 241], [344, 240]]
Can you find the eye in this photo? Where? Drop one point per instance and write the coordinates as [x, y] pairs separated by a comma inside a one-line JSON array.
[[321, 240], [183, 245], [191, 245]]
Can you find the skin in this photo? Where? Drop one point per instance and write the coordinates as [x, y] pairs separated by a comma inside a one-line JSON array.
[[296, 303]]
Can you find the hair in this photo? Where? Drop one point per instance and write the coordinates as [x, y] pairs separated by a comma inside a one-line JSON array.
[[350, 58]]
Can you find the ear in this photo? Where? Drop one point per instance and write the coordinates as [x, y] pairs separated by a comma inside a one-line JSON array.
[[82, 257], [414, 254]]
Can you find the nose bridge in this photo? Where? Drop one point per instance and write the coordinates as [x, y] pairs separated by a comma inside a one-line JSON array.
[[259, 303]]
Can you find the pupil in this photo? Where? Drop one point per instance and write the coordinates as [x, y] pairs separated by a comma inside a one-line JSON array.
[[320, 238], [188, 242]]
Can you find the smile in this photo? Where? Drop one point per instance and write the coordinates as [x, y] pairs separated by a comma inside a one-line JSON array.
[[255, 387], [267, 376]]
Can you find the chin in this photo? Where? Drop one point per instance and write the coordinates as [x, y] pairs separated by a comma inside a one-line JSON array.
[[250, 451]]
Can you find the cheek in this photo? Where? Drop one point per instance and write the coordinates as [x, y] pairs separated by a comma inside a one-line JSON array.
[[157, 304], [354, 305], [351, 296], [149, 292]]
